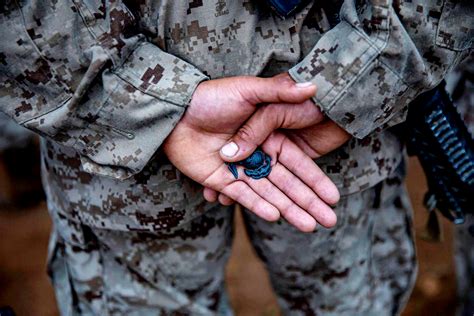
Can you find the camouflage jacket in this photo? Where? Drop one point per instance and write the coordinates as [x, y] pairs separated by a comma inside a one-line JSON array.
[[111, 79]]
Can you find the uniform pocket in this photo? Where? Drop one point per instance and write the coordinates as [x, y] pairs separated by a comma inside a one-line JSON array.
[[456, 25]]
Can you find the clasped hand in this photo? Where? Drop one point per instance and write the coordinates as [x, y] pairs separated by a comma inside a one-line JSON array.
[[229, 118]]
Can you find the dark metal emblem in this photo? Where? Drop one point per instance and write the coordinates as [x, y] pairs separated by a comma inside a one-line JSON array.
[[257, 166]]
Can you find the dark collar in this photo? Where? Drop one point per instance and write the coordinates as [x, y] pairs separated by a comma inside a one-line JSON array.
[[286, 8]]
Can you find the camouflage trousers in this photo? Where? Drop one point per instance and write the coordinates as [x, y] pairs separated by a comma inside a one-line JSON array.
[[102, 262]]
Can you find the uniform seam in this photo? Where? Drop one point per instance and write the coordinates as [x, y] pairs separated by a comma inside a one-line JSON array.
[[124, 79], [40, 53], [90, 28], [372, 44], [106, 101], [62, 103], [26, 32], [84, 20], [393, 72], [465, 44], [122, 73]]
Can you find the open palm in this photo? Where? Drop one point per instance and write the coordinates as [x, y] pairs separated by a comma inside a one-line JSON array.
[[296, 188]]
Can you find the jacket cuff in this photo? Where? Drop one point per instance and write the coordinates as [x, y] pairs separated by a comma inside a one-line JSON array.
[[348, 68], [140, 104]]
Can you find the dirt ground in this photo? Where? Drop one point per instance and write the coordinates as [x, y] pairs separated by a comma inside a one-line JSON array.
[[25, 286]]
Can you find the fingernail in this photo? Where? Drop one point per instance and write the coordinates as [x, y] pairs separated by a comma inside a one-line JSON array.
[[230, 149], [303, 85]]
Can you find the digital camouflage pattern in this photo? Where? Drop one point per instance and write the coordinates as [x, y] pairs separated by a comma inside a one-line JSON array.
[[76, 73], [171, 260], [106, 82], [365, 265], [460, 83], [111, 80]]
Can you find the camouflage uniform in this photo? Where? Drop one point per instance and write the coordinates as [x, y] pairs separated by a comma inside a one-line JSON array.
[[460, 84], [105, 83]]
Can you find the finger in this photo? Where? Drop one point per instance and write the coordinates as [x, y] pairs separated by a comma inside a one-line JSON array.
[[279, 89], [302, 195], [223, 181], [209, 194], [320, 139], [225, 200], [240, 192], [265, 120], [303, 167], [288, 209]]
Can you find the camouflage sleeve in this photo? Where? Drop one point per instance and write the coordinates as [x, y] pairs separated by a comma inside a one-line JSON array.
[[383, 54], [81, 74]]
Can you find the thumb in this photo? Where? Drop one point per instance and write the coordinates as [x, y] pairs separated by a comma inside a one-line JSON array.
[[264, 121], [278, 89]]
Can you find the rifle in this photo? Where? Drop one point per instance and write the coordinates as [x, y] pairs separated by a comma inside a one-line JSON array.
[[436, 134]]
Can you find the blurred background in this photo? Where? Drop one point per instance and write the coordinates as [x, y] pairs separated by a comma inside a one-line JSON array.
[[25, 226]]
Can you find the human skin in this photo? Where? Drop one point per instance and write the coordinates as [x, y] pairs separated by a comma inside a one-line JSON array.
[[303, 123], [296, 188]]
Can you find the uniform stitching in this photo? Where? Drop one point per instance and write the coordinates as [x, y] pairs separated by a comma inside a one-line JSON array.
[[372, 44]]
